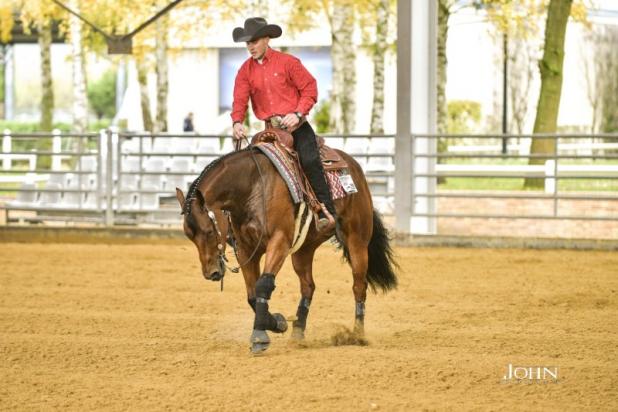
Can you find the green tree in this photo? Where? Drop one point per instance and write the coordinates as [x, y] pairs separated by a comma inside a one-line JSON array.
[[2, 75], [341, 17], [40, 15], [102, 95], [6, 25], [161, 46], [551, 67], [322, 116], [445, 9], [190, 20], [78, 58], [374, 20], [463, 116]]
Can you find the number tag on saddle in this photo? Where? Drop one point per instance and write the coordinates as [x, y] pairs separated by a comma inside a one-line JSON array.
[[347, 183]]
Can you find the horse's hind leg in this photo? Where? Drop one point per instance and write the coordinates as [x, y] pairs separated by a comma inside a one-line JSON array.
[[359, 260], [357, 235], [303, 265]]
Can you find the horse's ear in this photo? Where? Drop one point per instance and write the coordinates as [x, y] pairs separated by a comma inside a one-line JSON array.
[[181, 198], [200, 199]]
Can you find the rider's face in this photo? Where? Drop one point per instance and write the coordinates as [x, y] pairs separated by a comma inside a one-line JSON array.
[[258, 47]]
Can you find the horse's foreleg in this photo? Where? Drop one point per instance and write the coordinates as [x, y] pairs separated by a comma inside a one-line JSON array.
[[276, 252], [250, 272], [303, 265]]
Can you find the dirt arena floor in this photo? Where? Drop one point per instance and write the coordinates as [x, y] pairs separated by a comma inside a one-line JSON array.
[[135, 327]]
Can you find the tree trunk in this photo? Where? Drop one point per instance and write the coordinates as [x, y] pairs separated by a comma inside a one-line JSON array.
[[162, 77], [377, 110], [444, 14], [551, 83], [343, 107], [520, 81], [80, 99], [2, 79], [607, 58], [142, 77], [47, 95]]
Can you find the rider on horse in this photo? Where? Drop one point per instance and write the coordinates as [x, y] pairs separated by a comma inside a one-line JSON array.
[[282, 93]]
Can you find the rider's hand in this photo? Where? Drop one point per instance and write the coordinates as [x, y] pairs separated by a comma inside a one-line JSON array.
[[290, 121], [239, 131]]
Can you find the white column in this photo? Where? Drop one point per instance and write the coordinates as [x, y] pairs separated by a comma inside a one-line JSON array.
[[403, 141], [423, 111]]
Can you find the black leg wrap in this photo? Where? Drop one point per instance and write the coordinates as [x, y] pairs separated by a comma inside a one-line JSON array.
[[263, 319], [360, 312], [263, 290], [301, 313], [252, 303], [265, 285]]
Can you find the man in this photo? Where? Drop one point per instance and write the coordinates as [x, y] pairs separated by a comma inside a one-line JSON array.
[[282, 92], [188, 123]]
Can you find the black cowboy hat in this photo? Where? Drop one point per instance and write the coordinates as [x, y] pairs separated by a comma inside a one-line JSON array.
[[256, 28]]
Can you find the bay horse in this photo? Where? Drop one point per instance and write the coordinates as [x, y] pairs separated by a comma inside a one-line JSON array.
[[242, 192]]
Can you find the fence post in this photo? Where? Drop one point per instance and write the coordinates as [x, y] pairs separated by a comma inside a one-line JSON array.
[[403, 138], [109, 183], [56, 148], [550, 181], [6, 148], [423, 115]]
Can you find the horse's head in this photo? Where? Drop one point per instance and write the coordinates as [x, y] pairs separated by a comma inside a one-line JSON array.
[[207, 229]]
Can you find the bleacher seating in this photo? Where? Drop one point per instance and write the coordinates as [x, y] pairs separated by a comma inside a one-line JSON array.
[[148, 200], [88, 163], [52, 195], [357, 147], [380, 163], [26, 196], [335, 142]]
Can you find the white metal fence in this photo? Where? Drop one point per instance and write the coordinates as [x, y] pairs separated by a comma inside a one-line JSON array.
[[71, 178]]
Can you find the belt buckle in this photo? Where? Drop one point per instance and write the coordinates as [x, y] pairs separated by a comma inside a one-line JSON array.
[[275, 121]]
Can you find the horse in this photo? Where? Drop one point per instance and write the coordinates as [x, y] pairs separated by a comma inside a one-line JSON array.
[[242, 194]]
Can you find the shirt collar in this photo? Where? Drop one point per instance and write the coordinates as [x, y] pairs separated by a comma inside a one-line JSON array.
[[267, 55]]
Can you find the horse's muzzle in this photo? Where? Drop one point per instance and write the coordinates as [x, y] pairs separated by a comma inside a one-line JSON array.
[[214, 276]]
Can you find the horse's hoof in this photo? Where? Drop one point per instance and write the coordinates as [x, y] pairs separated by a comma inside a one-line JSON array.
[[298, 334], [258, 348], [259, 341], [282, 324]]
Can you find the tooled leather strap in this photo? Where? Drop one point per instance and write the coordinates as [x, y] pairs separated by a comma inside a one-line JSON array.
[[305, 186]]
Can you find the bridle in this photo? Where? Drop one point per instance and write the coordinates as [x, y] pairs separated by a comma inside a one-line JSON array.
[[223, 261]]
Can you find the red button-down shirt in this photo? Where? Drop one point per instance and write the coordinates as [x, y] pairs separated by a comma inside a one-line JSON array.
[[278, 86]]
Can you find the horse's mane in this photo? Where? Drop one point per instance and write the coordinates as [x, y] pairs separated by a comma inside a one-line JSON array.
[[191, 193]]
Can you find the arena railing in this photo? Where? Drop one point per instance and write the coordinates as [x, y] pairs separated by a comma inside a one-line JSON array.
[[64, 180], [552, 171], [138, 180]]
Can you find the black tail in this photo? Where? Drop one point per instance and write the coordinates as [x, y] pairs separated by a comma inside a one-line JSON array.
[[380, 273], [380, 270]]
